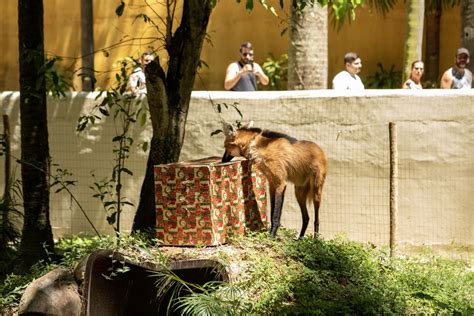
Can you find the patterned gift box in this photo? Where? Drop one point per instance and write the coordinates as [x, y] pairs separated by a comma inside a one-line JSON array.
[[203, 202]]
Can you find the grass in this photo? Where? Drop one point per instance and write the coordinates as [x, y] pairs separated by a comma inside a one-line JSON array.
[[284, 276]]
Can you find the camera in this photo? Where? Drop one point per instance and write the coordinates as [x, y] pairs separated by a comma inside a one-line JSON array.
[[249, 62]]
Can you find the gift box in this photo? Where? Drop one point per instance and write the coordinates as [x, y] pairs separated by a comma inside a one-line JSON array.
[[204, 202]]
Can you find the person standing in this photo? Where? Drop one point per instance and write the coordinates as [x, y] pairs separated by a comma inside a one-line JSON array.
[[348, 78], [137, 81], [414, 82], [244, 74], [458, 76]]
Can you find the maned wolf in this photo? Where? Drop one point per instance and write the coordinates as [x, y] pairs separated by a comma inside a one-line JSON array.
[[281, 158]]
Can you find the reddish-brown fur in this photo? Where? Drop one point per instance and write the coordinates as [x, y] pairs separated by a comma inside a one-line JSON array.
[[282, 159]]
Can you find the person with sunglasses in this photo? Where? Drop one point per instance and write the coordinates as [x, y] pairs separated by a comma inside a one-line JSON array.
[[458, 76], [244, 74], [137, 81], [414, 82]]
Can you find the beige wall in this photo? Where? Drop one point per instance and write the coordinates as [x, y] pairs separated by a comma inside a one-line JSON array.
[[435, 143], [376, 39]]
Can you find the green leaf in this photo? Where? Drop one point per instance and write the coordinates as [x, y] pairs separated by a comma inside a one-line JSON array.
[[216, 132], [109, 203], [104, 111], [50, 63], [145, 17], [120, 9], [112, 218], [249, 5], [145, 146]]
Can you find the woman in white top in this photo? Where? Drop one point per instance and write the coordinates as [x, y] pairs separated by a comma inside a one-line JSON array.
[[414, 82]]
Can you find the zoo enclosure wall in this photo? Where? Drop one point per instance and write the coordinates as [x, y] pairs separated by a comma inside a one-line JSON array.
[[435, 150]]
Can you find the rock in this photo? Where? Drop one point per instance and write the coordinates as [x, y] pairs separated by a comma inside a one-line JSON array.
[[80, 270], [55, 293]]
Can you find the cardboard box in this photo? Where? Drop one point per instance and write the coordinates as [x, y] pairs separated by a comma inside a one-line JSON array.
[[204, 202]]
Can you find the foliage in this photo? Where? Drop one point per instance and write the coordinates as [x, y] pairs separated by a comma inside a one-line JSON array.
[[286, 276], [218, 109], [216, 298], [13, 286], [62, 181], [435, 285], [10, 215], [3, 144], [385, 79], [58, 80], [342, 277], [75, 248], [212, 298], [126, 109], [327, 277], [72, 250], [277, 71]]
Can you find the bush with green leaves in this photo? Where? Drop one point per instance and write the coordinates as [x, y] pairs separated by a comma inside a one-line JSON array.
[[285, 276], [126, 109], [326, 277], [277, 71], [385, 78]]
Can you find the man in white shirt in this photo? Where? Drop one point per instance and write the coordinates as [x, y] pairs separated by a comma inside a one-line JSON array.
[[137, 81], [348, 78]]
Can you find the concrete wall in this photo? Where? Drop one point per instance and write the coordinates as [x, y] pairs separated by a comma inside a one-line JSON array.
[[435, 143]]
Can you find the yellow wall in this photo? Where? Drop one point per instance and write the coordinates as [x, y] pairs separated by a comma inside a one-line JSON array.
[[375, 38]]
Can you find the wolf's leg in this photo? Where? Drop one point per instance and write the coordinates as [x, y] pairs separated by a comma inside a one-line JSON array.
[[301, 193], [279, 199], [272, 202], [316, 216], [317, 201]]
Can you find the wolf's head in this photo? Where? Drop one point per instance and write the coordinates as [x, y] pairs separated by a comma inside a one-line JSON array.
[[237, 141]]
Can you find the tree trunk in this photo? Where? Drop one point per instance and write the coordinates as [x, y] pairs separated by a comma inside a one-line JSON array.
[[467, 28], [414, 35], [168, 100], [87, 45], [433, 19], [308, 48], [37, 237]]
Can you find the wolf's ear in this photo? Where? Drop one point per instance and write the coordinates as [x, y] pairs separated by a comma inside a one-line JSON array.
[[228, 129], [249, 124]]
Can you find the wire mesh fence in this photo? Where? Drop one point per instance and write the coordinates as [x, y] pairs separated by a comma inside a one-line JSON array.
[[436, 169]]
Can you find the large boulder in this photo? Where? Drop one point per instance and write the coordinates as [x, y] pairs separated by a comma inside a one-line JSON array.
[[55, 293]]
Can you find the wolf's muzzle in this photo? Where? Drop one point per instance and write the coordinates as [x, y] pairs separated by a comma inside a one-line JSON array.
[[227, 157]]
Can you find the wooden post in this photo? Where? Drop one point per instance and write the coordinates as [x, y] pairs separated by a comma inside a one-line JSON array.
[[392, 127]]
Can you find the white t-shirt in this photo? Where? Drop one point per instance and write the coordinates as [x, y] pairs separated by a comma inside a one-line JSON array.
[[345, 81], [137, 80]]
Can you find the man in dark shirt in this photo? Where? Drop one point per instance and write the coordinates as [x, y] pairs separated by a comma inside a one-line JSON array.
[[243, 75]]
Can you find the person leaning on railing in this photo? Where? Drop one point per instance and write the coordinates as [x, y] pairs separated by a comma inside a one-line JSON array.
[[458, 76]]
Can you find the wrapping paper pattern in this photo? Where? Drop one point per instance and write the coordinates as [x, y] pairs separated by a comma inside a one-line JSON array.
[[204, 202]]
